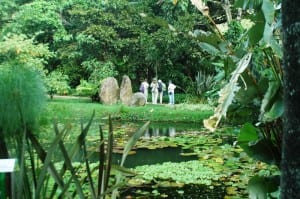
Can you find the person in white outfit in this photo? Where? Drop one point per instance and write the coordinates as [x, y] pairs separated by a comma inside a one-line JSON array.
[[161, 89], [144, 88], [154, 90], [171, 89]]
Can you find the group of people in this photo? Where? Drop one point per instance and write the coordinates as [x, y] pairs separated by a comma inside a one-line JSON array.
[[158, 88]]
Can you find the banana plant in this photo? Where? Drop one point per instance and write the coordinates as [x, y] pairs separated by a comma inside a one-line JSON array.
[[253, 63], [253, 93]]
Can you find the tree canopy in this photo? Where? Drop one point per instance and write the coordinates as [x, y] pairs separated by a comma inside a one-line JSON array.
[[140, 39]]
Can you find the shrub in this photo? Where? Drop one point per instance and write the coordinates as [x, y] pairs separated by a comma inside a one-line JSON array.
[[57, 83], [86, 88]]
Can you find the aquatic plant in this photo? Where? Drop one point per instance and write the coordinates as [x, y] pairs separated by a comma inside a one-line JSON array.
[[190, 172]]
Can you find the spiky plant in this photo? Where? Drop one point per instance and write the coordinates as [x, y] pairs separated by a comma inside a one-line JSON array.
[[204, 82]]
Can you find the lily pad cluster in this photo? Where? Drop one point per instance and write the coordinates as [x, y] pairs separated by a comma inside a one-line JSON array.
[[190, 172]]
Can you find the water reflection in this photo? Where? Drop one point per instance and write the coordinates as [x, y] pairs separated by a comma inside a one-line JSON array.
[[156, 132], [146, 156]]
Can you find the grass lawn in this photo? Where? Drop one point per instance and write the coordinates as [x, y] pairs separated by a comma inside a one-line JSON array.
[[72, 108]]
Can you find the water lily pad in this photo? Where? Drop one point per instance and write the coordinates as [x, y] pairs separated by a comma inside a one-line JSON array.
[[135, 182], [231, 190], [188, 154]]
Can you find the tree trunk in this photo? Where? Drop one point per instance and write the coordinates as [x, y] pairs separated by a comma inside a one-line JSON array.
[[290, 165]]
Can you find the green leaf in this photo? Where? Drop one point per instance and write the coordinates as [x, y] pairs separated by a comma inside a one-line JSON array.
[[131, 142], [275, 112], [206, 37], [68, 163], [276, 47], [123, 170], [257, 30], [254, 146], [268, 33], [248, 4], [269, 98], [47, 162], [241, 3], [42, 155], [247, 133], [156, 20], [268, 10], [260, 186], [209, 48]]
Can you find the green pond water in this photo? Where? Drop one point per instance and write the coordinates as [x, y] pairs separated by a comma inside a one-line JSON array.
[[165, 142], [146, 156]]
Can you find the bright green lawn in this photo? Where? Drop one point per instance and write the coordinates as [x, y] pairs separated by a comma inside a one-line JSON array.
[[72, 108]]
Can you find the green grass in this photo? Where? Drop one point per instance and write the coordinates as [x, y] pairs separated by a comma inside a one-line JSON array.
[[82, 108]]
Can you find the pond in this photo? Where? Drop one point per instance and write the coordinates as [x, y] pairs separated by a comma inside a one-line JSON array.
[[152, 153], [154, 148], [181, 161]]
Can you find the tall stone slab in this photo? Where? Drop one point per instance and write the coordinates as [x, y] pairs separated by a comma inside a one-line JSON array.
[[109, 91], [125, 90]]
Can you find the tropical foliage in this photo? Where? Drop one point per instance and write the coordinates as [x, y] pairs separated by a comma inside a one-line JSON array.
[[92, 40], [225, 50]]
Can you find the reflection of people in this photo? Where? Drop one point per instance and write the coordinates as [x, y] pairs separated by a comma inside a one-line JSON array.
[[144, 88], [171, 89], [172, 132], [156, 132], [161, 89], [154, 90], [147, 134]]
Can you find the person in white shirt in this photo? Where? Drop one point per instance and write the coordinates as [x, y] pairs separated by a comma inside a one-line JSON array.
[[144, 88], [154, 90], [171, 89], [161, 89]]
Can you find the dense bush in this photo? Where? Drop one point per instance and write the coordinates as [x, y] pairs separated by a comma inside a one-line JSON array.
[[86, 89], [57, 83]]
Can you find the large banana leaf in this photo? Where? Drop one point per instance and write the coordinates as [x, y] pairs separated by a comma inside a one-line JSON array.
[[227, 94]]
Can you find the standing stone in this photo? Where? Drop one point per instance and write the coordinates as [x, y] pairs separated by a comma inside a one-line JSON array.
[[138, 99], [125, 90], [109, 91]]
